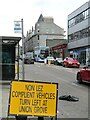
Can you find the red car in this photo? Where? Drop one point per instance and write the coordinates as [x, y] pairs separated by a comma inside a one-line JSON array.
[[83, 75], [70, 62]]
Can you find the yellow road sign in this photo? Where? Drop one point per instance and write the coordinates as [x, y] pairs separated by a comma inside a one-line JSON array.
[[33, 98]]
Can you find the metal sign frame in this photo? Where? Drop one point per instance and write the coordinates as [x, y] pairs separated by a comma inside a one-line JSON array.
[[35, 83]]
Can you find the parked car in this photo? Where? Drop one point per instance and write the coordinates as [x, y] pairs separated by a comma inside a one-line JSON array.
[[51, 59], [83, 75], [58, 61], [70, 62], [29, 61], [28, 58]]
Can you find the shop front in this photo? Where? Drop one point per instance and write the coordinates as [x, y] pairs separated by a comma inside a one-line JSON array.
[[59, 51], [81, 54]]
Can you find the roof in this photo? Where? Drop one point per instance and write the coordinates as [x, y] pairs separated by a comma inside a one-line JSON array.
[[9, 40]]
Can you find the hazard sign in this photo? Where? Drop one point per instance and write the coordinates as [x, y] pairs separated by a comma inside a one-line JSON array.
[[33, 98]]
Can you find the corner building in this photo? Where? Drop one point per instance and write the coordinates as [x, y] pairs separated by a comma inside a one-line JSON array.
[[79, 33], [45, 30]]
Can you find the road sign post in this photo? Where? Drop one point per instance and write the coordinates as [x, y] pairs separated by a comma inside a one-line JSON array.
[[22, 51], [18, 28]]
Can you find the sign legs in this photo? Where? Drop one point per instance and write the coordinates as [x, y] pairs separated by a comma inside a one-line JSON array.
[[21, 117]]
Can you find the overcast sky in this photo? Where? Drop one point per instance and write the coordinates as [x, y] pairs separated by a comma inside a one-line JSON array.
[[30, 10]]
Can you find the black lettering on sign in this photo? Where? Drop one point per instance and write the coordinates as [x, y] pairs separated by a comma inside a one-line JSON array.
[[44, 103], [29, 87], [45, 95], [40, 109], [24, 101], [40, 95], [26, 109], [36, 102], [39, 88], [15, 94]]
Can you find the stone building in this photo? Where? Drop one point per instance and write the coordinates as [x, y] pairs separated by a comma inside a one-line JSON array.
[[45, 30]]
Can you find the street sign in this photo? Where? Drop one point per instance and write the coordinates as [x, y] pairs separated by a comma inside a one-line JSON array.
[[17, 27], [33, 98]]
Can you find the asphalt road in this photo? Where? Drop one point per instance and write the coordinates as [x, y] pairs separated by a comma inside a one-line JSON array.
[[66, 78]]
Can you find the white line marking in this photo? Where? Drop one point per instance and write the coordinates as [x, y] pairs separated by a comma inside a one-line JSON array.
[[76, 85], [57, 111]]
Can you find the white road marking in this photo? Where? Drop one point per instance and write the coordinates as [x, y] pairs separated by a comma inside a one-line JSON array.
[[76, 84], [58, 111], [66, 69]]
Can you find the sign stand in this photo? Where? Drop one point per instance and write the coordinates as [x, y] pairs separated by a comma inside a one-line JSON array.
[[21, 117], [40, 118]]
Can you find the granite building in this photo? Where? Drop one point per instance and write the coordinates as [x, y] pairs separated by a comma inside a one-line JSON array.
[[45, 30]]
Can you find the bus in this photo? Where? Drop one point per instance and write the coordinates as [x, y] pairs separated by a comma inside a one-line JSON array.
[[40, 53]]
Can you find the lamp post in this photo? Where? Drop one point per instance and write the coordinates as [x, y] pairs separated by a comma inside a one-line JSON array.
[[22, 51]]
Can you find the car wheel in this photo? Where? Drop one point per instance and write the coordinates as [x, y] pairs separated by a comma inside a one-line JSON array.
[[28, 62], [55, 63], [79, 78]]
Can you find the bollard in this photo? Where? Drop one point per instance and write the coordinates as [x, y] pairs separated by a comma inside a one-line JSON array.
[[49, 62], [16, 68]]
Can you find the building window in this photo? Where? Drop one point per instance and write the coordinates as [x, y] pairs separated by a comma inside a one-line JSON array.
[[79, 34], [89, 32], [86, 14], [79, 18]]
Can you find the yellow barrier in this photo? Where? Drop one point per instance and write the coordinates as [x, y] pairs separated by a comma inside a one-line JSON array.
[[49, 62], [16, 68]]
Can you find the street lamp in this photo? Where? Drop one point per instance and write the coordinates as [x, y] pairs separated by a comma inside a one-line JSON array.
[[22, 51]]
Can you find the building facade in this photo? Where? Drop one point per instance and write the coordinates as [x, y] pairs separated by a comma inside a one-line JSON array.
[[45, 29], [79, 33], [58, 47]]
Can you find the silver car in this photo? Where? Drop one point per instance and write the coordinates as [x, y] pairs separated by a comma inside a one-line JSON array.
[[58, 61]]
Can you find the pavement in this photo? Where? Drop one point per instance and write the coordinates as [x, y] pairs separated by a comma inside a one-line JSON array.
[[4, 99]]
